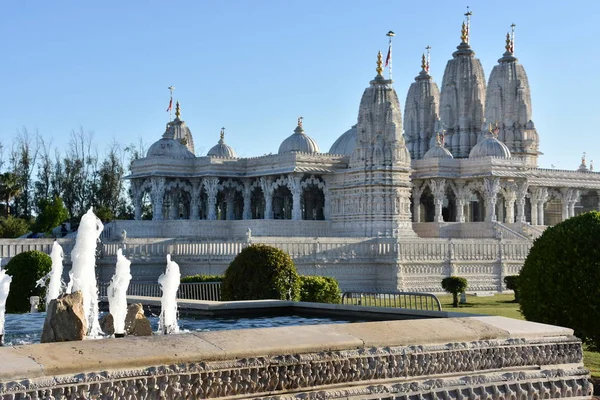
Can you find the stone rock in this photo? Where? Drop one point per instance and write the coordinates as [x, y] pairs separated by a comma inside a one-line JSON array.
[[107, 324], [65, 319], [136, 323]]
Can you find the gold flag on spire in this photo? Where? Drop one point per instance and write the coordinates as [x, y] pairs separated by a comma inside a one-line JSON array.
[[463, 33], [379, 68]]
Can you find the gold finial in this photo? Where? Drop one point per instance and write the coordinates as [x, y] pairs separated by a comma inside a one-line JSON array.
[[439, 138], [423, 63], [222, 135], [508, 46], [583, 159], [177, 110], [463, 33], [300, 121], [379, 68]]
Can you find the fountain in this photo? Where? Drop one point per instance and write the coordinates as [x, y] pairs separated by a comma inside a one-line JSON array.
[[117, 293], [5, 280], [83, 272], [55, 285], [169, 282]]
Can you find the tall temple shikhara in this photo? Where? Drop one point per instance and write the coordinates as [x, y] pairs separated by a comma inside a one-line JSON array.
[[461, 165]]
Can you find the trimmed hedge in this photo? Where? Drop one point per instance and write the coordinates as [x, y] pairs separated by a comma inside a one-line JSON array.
[[320, 289], [261, 272], [202, 278], [560, 280], [454, 285], [512, 283], [26, 269]]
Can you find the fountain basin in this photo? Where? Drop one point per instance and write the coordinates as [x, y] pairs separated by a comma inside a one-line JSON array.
[[473, 357]]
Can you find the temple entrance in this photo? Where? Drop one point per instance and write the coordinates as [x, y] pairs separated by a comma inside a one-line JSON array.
[[282, 203], [427, 211], [313, 202], [449, 206], [257, 204], [476, 208]]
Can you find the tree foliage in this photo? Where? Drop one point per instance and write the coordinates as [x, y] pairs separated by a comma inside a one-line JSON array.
[[559, 280], [26, 269], [12, 227], [261, 272], [10, 187], [53, 213], [454, 285]]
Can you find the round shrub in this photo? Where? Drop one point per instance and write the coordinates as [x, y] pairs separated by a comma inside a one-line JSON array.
[[512, 283], [26, 269], [320, 289], [559, 282], [261, 272], [454, 285]]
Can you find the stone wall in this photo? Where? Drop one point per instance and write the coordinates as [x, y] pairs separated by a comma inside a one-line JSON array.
[[467, 358]]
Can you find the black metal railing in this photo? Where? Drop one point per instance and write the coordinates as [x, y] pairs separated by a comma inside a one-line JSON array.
[[409, 300], [210, 291]]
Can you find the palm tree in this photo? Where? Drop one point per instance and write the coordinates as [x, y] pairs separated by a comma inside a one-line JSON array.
[[9, 188]]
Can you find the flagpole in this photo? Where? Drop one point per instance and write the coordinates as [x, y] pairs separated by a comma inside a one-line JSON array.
[[390, 34], [171, 88]]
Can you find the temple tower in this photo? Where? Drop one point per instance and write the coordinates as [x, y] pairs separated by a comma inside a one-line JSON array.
[[421, 112], [462, 98], [508, 103], [372, 197]]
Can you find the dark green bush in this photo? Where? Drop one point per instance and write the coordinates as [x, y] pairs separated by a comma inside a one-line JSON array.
[[26, 269], [202, 278], [320, 289], [512, 283], [559, 282], [454, 285], [261, 272]]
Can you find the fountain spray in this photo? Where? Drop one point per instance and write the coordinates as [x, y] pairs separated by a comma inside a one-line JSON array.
[[83, 271], [169, 282], [55, 285], [5, 280], [117, 293]]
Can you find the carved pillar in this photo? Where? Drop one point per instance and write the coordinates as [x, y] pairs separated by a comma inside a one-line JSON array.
[[157, 194], [539, 196], [294, 184], [195, 200], [564, 202], [510, 197], [521, 195], [247, 213], [211, 185], [491, 187], [328, 203], [462, 194], [267, 187], [438, 189], [416, 194], [575, 195], [138, 194]]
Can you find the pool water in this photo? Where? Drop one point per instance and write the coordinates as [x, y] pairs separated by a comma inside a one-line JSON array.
[[22, 329]]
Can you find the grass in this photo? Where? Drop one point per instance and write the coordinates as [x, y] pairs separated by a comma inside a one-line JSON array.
[[503, 305]]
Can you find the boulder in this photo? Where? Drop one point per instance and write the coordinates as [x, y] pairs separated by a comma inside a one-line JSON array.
[[65, 319], [107, 324], [136, 323]]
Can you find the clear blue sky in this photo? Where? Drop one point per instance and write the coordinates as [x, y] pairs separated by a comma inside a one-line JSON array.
[[255, 66]]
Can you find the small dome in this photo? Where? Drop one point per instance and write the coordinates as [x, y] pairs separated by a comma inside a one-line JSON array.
[[299, 142], [345, 144], [171, 148], [221, 149], [490, 146], [437, 151]]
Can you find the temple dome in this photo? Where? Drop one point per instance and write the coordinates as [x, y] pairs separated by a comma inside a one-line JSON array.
[[221, 149], [167, 147], [346, 143], [490, 146], [299, 142], [437, 151]]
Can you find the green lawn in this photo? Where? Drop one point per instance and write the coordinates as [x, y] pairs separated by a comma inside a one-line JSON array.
[[502, 305]]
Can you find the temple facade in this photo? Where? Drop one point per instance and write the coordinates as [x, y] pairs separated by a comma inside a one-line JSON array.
[[460, 166]]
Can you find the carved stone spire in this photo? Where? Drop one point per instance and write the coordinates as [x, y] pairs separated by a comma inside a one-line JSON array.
[[508, 101]]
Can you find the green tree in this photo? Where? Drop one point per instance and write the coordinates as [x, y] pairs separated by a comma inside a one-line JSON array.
[[26, 269], [454, 285], [13, 227], [52, 214], [261, 272], [10, 187], [559, 280], [320, 289]]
